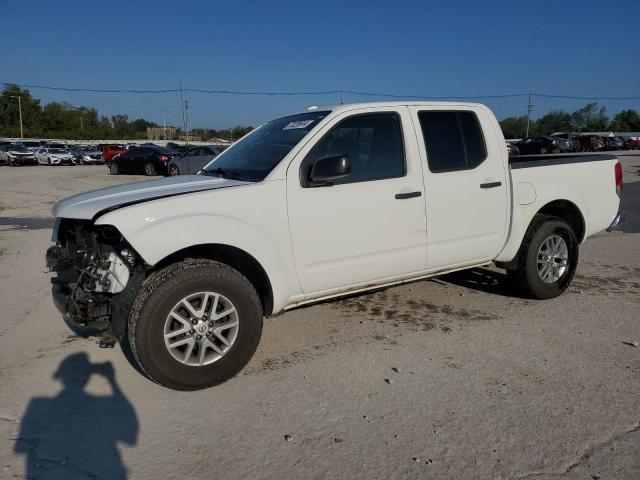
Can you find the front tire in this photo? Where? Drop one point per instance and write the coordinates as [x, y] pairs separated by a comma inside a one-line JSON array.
[[547, 259], [195, 324], [544, 151], [174, 171], [114, 169]]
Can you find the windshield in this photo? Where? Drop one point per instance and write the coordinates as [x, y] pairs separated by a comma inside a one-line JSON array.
[[19, 148], [254, 156], [57, 150]]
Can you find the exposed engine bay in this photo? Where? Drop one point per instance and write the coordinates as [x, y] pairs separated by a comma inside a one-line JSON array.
[[94, 266]]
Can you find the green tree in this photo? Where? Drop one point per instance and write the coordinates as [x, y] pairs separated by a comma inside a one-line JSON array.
[[590, 118], [516, 127], [9, 115], [120, 125], [554, 121], [626, 121]]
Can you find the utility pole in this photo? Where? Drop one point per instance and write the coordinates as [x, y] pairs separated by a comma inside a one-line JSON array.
[[19, 113], [186, 116], [529, 109], [164, 125]]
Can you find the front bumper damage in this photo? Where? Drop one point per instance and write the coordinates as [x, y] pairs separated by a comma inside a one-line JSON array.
[[97, 277]]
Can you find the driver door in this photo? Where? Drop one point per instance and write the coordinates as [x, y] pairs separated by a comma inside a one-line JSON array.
[[369, 225]]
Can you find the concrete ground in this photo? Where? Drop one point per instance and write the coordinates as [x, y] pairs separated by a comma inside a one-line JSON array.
[[444, 378]]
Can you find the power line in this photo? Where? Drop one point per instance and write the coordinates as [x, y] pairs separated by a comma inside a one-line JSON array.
[[320, 92]]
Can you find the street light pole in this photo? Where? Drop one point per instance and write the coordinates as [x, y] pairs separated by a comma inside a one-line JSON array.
[[19, 113]]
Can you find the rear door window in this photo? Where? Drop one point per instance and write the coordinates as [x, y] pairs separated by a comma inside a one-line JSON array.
[[453, 140]]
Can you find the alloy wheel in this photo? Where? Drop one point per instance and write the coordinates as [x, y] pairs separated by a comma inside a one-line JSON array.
[[553, 259], [201, 328]]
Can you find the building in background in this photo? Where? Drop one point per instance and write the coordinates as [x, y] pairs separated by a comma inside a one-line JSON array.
[[161, 133]]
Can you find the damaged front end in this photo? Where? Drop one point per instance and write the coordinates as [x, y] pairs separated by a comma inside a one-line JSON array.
[[97, 277]]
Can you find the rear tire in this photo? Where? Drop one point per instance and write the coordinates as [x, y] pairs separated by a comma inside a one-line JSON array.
[[180, 368], [536, 272], [114, 169], [544, 151], [174, 171]]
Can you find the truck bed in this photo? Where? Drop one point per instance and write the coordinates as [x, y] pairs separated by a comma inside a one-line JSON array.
[[527, 161]]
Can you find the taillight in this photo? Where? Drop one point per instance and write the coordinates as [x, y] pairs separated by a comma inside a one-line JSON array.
[[163, 158], [618, 170]]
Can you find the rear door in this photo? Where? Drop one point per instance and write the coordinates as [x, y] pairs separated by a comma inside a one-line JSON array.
[[465, 184], [369, 225]]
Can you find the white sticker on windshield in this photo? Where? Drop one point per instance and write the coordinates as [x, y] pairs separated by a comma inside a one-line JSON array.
[[298, 124]]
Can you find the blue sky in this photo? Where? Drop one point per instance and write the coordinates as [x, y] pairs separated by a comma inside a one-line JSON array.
[[449, 48]]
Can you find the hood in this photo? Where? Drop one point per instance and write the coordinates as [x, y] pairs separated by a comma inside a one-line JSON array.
[[59, 155], [87, 205], [18, 152]]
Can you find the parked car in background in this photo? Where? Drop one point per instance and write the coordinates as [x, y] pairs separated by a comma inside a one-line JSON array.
[[12, 155], [572, 138], [54, 156], [542, 145], [57, 145], [110, 150], [613, 143], [143, 160], [591, 143], [86, 154], [193, 160], [184, 148], [632, 143], [32, 145], [513, 150]]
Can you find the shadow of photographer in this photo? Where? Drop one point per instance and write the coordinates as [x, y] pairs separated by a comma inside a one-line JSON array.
[[76, 434]]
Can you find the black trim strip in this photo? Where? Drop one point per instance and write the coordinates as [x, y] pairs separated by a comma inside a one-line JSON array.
[[490, 185], [528, 161], [404, 196]]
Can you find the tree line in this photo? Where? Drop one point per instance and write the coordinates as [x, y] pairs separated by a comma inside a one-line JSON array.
[[65, 121], [590, 118], [62, 120]]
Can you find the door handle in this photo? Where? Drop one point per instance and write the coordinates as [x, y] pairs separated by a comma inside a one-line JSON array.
[[405, 195], [490, 185]]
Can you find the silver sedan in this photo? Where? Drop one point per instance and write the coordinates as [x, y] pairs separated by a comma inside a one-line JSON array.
[[194, 160]]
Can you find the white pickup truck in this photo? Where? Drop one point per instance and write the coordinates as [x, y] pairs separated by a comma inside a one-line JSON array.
[[314, 206]]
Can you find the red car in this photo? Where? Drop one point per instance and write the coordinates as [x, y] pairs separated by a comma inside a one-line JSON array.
[[110, 150]]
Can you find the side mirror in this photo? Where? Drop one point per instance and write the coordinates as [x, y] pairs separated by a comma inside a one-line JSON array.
[[326, 170]]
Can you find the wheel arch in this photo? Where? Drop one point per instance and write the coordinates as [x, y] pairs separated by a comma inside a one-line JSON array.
[[567, 211], [562, 208], [232, 256]]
